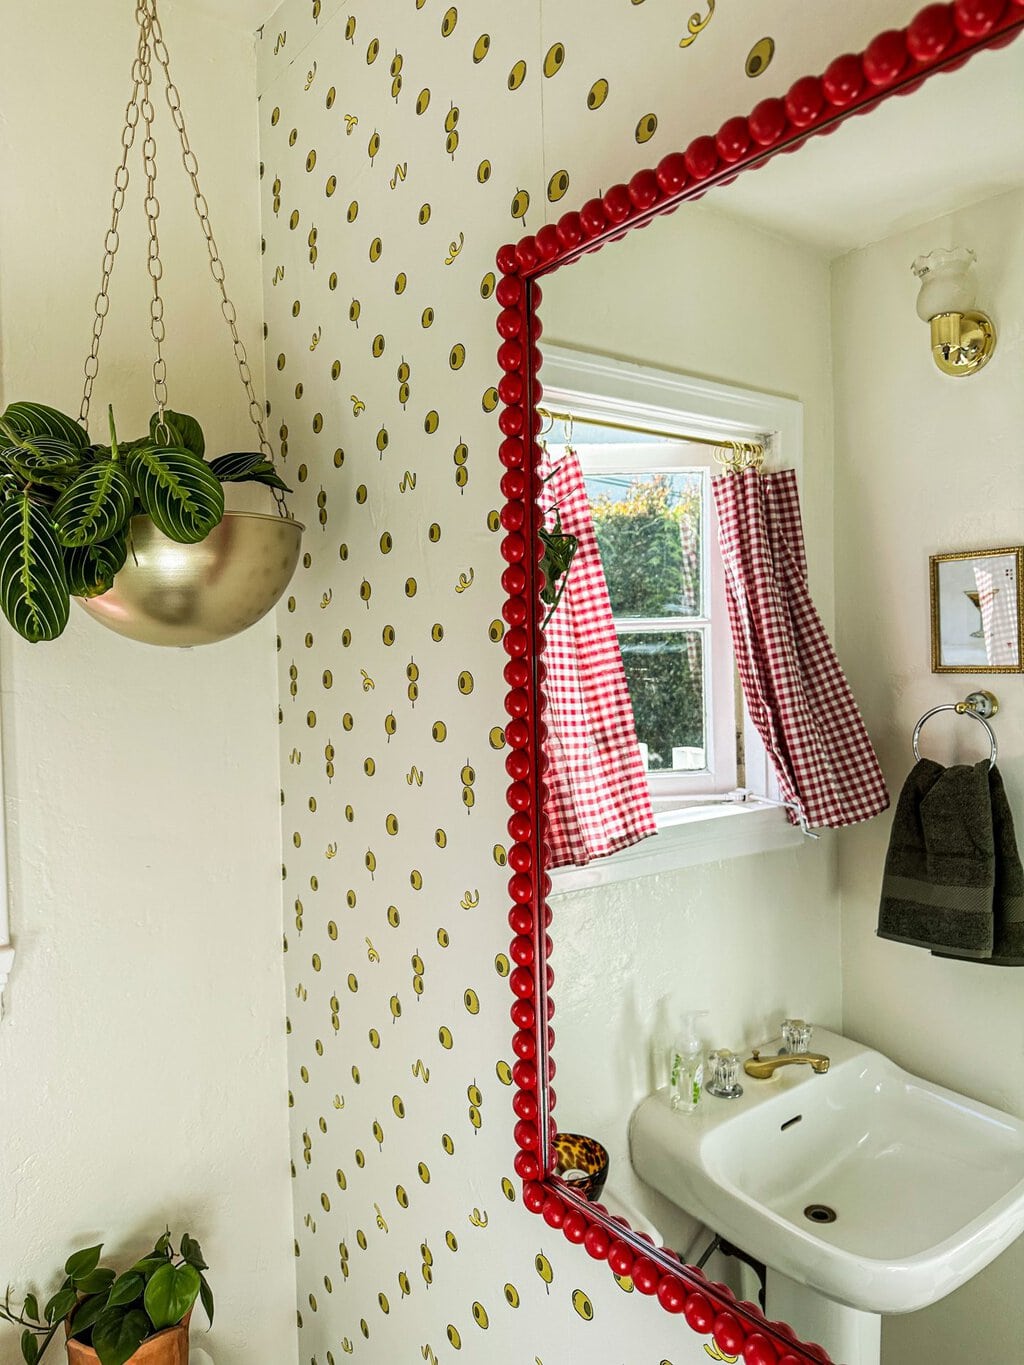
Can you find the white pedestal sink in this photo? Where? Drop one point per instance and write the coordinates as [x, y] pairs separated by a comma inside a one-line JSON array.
[[926, 1187]]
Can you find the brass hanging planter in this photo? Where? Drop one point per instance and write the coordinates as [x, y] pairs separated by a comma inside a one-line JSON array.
[[171, 593]]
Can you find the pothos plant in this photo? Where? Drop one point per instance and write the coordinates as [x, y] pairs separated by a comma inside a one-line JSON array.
[[66, 504], [115, 1314]]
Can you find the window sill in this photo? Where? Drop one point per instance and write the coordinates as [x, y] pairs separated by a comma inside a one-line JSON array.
[[688, 837]]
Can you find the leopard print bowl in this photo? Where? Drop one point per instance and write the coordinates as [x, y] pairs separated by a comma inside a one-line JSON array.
[[582, 1163]]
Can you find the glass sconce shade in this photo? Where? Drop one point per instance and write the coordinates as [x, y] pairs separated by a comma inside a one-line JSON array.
[[947, 282]]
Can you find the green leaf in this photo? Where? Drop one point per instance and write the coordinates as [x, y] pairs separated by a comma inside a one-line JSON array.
[[91, 569], [192, 1252], [149, 1265], [119, 1334], [43, 460], [185, 432], [61, 1305], [87, 1313], [96, 1282], [127, 1287], [178, 490], [248, 466], [171, 1293], [206, 1294], [31, 1307], [36, 419], [95, 506], [29, 1347], [34, 598], [163, 1244]]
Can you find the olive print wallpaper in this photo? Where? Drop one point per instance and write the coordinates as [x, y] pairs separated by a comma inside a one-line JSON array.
[[402, 143]]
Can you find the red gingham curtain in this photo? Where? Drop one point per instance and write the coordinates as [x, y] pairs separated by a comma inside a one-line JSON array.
[[598, 797], [796, 692]]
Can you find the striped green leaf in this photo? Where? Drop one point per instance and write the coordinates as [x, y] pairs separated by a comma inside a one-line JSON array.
[[180, 492], [97, 504], [248, 467], [91, 569], [33, 420], [33, 584], [185, 432], [42, 459]]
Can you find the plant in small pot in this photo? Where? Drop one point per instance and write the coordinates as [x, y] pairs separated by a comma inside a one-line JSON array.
[[141, 1315], [74, 515]]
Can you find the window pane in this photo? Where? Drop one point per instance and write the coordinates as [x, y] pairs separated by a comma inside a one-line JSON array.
[[648, 531], [665, 674]]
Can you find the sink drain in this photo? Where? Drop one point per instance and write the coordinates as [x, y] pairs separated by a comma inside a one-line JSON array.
[[820, 1213]]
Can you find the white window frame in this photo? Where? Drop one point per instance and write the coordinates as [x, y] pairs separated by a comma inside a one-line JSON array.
[[618, 393]]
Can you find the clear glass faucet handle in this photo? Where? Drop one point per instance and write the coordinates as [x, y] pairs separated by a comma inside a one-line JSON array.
[[796, 1035]]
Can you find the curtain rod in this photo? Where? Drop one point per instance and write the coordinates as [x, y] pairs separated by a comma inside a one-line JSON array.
[[755, 448]]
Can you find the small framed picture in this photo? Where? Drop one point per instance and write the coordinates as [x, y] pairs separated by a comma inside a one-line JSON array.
[[976, 611]]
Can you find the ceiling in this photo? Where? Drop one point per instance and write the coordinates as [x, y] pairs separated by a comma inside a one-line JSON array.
[[956, 141]]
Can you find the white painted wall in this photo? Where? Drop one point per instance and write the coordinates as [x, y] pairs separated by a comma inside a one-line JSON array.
[[142, 1061], [925, 464], [751, 939]]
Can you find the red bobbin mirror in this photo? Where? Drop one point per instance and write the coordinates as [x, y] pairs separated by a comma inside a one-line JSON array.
[[940, 40]]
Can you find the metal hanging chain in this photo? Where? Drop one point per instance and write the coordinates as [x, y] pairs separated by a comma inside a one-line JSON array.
[[122, 178], [152, 206]]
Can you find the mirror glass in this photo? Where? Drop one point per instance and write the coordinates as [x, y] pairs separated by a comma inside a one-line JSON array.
[[778, 314]]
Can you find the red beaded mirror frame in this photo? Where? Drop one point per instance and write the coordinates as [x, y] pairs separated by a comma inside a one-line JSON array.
[[941, 38]]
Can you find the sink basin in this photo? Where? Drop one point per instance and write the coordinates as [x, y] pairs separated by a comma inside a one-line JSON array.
[[927, 1186]]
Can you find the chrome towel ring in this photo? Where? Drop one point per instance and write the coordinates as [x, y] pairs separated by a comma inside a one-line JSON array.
[[980, 706]]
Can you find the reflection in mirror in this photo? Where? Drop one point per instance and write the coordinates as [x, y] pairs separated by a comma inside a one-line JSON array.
[[779, 312]]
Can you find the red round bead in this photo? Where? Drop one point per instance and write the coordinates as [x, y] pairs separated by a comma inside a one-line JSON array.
[[526, 1136], [575, 1226], [843, 80], [524, 1073], [509, 323], [506, 259], [767, 122], [522, 983], [517, 732], [534, 1196], [733, 142], [548, 246], [729, 1334], [930, 32], [975, 18], [527, 255], [524, 1105], [570, 230], [509, 291], [527, 1167], [523, 1015], [512, 515], [701, 157], [512, 421], [758, 1350], [699, 1314], [596, 1241], [644, 189], [516, 642], [885, 58], [521, 951], [517, 704], [553, 1212], [519, 796], [805, 101], [593, 218], [519, 825], [512, 453], [672, 173], [520, 921], [513, 548], [510, 356], [524, 1045], [620, 1258], [645, 1275], [671, 1294], [517, 674], [517, 765], [511, 387], [617, 204]]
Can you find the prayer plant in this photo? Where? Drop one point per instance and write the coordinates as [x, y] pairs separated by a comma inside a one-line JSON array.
[[115, 1314], [66, 504]]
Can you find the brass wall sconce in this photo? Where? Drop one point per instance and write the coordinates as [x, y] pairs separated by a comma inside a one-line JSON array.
[[963, 340]]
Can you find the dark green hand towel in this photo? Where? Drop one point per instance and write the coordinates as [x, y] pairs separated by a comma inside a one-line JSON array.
[[940, 871]]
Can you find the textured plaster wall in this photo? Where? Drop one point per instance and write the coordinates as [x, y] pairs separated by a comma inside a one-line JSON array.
[[401, 145], [142, 1059], [929, 466]]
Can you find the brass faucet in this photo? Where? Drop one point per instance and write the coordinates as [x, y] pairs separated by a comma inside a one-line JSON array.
[[762, 1068]]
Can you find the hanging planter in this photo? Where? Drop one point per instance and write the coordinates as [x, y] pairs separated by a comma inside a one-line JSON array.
[[137, 531]]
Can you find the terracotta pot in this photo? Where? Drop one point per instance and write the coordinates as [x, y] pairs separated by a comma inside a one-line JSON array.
[[166, 1348]]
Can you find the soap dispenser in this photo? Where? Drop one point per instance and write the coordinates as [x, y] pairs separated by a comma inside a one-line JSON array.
[[686, 1065]]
